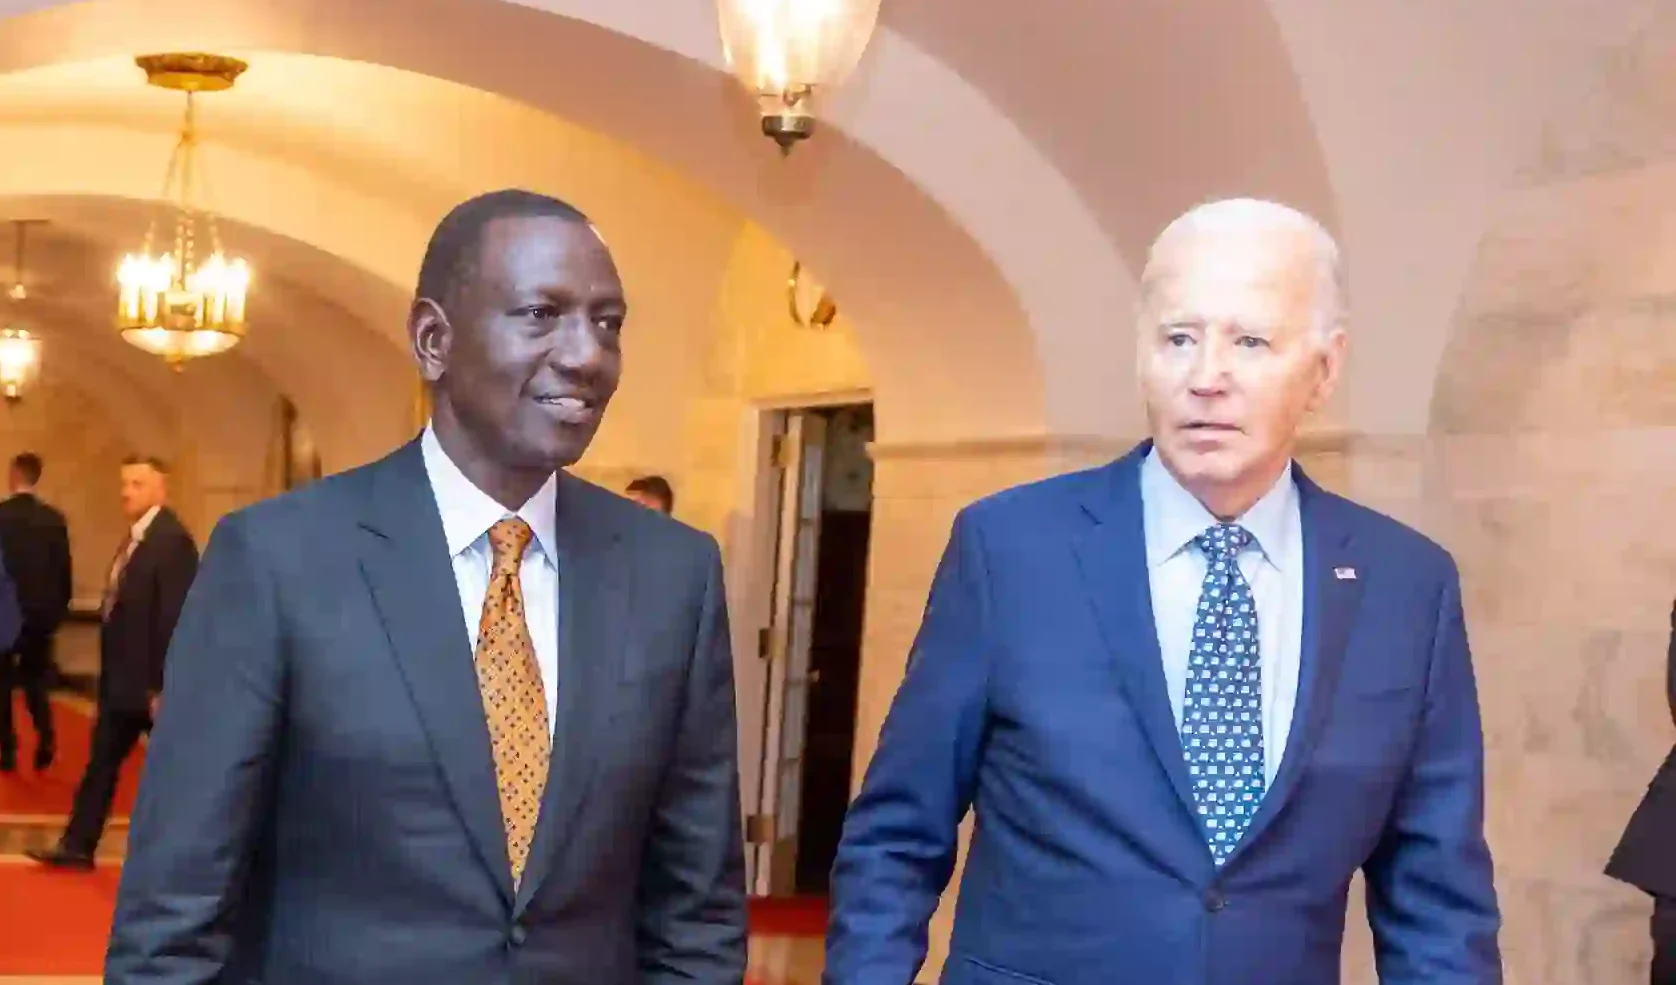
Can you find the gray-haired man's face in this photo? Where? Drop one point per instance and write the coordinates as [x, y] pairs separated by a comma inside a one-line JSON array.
[[1230, 359]]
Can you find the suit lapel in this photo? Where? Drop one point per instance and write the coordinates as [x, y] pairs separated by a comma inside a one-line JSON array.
[[1332, 593], [1112, 556], [595, 587], [404, 557]]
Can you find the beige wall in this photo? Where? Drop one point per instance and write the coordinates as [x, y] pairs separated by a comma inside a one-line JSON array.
[[82, 448], [215, 424], [757, 358], [1550, 473]]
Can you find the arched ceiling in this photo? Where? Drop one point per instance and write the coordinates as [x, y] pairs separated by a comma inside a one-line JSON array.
[[1424, 113], [135, 407], [991, 174], [939, 322], [1104, 89], [301, 344], [1565, 324], [1399, 124]]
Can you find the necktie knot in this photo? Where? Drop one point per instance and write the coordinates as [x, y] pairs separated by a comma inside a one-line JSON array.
[[1223, 542], [508, 539]]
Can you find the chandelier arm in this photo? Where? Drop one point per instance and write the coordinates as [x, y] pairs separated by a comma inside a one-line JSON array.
[[208, 211], [185, 229], [167, 195]]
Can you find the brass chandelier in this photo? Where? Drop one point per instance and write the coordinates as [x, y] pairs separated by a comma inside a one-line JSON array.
[[188, 302]]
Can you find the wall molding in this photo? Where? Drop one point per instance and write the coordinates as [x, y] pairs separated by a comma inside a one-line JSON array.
[[997, 446], [1315, 441]]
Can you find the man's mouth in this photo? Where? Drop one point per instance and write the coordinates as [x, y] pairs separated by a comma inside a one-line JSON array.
[[569, 407], [1209, 427]]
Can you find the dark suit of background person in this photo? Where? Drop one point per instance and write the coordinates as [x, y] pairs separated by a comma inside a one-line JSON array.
[[11, 615], [1646, 855], [36, 542], [320, 804], [144, 592]]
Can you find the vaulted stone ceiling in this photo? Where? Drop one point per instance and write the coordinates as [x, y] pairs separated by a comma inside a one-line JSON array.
[[982, 196]]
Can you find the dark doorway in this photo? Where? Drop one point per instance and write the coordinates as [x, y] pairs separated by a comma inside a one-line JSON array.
[[835, 643]]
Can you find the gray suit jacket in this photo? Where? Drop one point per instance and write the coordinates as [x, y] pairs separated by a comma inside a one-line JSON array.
[[319, 804]]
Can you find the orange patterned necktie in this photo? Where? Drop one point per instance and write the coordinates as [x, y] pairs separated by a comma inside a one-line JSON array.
[[513, 700]]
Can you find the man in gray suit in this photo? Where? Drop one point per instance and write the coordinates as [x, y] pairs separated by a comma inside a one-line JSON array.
[[455, 716]]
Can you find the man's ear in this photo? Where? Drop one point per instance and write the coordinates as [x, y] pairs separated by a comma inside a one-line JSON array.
[[431, 337], [1331, 354]]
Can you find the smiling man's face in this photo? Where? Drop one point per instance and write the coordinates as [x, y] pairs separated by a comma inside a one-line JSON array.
[[533, 351]]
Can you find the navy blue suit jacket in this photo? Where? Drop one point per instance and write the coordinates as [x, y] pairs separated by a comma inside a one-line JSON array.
[[1035, 695]]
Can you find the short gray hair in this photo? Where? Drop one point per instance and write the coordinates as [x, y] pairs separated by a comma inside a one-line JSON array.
[[1332, 297]]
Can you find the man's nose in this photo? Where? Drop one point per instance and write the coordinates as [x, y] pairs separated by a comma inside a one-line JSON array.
[[577, 348], [1209, 372]]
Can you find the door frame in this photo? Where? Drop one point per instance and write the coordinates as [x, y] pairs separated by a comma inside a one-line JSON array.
[[755, 576]]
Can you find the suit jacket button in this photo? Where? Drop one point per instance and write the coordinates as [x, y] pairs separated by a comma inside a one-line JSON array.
[[518, 935], [1215, 901]]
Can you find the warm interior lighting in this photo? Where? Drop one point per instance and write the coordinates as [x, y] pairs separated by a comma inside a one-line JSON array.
[[176, 305], [789, 52], [20, 361]]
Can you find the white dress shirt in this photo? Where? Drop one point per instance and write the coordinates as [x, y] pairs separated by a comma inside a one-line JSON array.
[[136, 534], [1272, 564], [467, 514]]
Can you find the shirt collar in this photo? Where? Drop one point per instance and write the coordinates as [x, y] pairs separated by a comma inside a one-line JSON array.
[[1173, 517], [136, 533], [468, 512]]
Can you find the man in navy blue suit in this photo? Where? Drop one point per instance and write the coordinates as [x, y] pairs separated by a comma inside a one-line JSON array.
[[1189, 694]]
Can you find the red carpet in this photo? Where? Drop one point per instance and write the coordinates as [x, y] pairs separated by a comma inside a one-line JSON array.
[[793, 916], [56, 922], [29, 793]]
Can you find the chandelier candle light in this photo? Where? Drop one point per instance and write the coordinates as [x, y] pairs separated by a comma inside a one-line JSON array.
[[20, 349], [20, 361], [176, 305], [788, 53]]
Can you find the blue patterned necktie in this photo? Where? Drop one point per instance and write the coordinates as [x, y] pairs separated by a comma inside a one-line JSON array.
[[1222, 716]]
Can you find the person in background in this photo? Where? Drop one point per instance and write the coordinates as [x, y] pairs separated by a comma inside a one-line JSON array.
[[36, 543], [1188, 694], [653, 492], [1646, 854], [144, 591], [11, 619]]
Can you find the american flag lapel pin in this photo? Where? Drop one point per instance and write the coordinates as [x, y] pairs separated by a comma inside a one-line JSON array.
[[1344, 574]]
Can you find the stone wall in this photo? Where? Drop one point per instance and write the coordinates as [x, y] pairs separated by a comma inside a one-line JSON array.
[[217, 426], [82, 447]]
